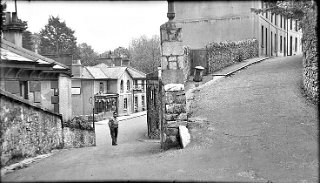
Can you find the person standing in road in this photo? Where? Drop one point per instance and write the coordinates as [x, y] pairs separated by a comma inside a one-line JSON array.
[[113, 125]]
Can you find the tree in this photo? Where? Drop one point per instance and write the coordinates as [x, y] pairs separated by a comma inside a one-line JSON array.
[[27, 42], [86, 54], [145, 53], [122, 52], [57, 38]]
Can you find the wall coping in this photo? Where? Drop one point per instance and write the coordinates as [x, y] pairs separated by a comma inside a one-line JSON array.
[[26, 102]]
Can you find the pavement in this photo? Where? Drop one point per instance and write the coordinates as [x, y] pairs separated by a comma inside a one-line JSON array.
[[255, 126]]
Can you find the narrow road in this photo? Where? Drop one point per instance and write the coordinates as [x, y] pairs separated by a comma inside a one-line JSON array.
[[259, 128]]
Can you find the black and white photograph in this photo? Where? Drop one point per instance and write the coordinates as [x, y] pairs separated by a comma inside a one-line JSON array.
[[159, 91]]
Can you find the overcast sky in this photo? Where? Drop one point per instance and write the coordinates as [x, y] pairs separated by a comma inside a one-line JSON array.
[[105, 25]]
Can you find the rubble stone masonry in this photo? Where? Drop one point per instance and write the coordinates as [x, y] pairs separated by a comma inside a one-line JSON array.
[[310, 56], [174, 68], [28, 130]]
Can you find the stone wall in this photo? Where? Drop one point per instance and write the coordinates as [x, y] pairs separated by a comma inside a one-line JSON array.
[[78, 138], [310, 55], [28, 130], [223, 54]]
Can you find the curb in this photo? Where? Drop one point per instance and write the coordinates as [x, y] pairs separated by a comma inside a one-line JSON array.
[[132, 117], [22, 164], [257, 61]]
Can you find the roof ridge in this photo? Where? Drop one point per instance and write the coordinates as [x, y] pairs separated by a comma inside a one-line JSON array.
[[29, 53]]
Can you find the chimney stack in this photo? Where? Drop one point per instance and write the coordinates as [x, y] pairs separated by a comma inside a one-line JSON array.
[[13, 29]]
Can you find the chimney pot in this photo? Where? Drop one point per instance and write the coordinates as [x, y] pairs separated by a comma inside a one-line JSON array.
[[8, 18], [14, 17]]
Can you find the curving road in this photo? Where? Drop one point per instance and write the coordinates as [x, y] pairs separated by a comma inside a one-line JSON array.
[[259, 128]]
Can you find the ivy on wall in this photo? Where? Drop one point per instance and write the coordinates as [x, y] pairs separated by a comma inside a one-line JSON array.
[[226, 53]]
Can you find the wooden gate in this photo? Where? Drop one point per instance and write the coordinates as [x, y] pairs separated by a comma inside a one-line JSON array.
[[198, 57], [154, 105]]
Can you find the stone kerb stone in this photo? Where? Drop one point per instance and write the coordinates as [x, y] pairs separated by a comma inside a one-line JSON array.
[[184, 136]]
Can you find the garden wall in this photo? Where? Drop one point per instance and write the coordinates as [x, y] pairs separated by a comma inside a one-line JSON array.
[[310, 55], [28, 130], [224, 54]]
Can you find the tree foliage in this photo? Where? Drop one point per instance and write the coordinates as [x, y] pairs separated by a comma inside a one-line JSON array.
[[86, 54], [27, 42], [145, 53], [122, 52], [57, 38]]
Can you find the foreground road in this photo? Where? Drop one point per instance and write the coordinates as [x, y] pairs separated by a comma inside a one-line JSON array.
[[259, 128], [260, 125]]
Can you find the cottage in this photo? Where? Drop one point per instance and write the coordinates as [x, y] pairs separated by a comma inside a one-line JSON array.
[[105, 88], [38, 79]]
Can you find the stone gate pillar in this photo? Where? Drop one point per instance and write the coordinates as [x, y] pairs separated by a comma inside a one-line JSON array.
[[174, 73]]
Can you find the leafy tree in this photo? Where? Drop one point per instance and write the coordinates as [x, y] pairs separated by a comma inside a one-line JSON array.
[[122, 52], [86, 54], [145, 53], [57, 38], [27, 42]]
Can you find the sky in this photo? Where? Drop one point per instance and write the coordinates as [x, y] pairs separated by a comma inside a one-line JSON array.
[[104, 25]]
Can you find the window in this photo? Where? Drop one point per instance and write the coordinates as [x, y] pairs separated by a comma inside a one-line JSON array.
[[136, 83], [290, 23], [121, 86], [128, 85], [296, 25], [280, 43], [275, 43], [296, 44], [275, 19], [125, 103], [142, 101], [284, 22], [262, 36], [280, 21], [101, 87], [271, 17], [75, 91], [266, 41], [142, 85], [24, 89], [136, 104]]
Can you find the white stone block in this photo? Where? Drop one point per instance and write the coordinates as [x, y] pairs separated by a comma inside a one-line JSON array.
[[173, 87], [172, 48], [184, 136]]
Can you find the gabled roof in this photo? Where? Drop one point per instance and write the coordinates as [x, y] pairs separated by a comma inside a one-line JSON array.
[[111, 72], [103, 71], [135, 73], [12, 52]]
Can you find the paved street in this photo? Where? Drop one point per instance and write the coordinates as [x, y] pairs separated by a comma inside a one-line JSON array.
[[260, 125], [259, 128]]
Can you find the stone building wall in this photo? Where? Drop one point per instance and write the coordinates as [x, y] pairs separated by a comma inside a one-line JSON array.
[[310, 56], [224, 54]]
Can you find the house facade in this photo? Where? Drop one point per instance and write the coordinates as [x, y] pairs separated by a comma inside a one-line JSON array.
[[204, 22], [39, 80], [105, 88]]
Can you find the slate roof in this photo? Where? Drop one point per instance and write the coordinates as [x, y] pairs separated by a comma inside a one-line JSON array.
[[103, 71], [12, 52]]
